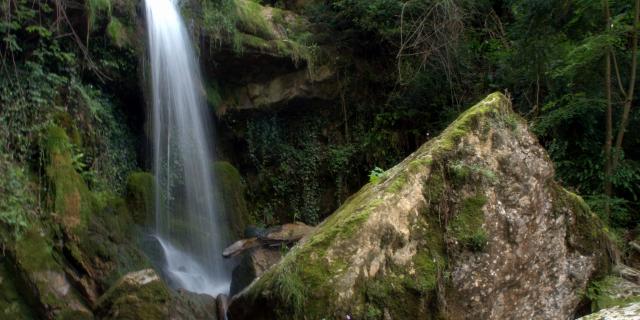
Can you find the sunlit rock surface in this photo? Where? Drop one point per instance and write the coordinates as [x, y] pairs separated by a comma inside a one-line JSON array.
[[628, 312], [470, 226]]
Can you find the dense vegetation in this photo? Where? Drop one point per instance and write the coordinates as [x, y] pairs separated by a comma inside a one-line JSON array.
[[72, 83], [409, 67], [413, 65]]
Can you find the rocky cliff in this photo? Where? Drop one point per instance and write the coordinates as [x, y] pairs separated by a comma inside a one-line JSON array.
[[470, 226]]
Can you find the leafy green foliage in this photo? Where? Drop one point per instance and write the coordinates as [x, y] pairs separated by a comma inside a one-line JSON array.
[[376, 175], [288, 169], [18, 202]]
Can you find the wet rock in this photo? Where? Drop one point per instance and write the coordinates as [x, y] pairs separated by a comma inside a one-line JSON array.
[[262, 251], [276, 236], [222, 302], [193, 306], [252, 265], [286, 233], [137, 295], [240, 246], [470, 226], [627, 312]]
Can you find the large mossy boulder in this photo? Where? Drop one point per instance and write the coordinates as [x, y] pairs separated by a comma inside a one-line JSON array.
[[470, 226], [138, 295], [142, 295]]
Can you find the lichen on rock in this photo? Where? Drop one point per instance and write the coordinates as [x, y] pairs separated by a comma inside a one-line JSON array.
[[499, 240]]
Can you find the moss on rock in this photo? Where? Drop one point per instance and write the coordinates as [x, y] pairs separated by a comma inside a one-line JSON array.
[[466, 226], [612, 291], [138, 295], [232, 195], [388, 251], [72, 201], [139, 196], [40, 276], [12, 304]]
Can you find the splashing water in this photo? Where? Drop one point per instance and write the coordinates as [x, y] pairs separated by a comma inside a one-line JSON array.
[[189, 226]]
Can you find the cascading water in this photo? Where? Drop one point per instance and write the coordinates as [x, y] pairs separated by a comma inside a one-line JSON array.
[[189, 226]]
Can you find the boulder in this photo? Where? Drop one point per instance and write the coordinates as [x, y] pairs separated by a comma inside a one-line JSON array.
[[626, 312], [137, 295], [143, 295], [276, 236], [470, 226], [193, 306]]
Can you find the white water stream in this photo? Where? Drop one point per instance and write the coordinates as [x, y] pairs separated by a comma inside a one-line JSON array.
[[189, 225]]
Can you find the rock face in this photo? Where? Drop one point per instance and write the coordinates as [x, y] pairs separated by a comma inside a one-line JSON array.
[[470, 226]]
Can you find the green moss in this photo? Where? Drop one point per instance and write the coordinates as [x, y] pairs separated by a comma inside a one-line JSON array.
[[139, 196], [12, 303], [95, 8], [418, 164], [213, 95], [64, 120], [118, 33], [126, 301], [311, 281], [34, 253], [495, 106], [466, 226], [398, 182], [37, 264], [427, 266], [252, 20], [586, 233], [232, 195], [462, 172], [603, 294], [72, 199]]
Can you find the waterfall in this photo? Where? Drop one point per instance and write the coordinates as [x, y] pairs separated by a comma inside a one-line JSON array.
[[189, 225]]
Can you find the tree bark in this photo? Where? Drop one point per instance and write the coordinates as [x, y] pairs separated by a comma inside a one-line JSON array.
[[609, 119], [624, 121]]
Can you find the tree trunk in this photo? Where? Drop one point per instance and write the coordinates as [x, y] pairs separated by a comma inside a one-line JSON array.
[[609, 121], [624, 121]]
